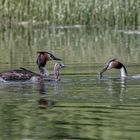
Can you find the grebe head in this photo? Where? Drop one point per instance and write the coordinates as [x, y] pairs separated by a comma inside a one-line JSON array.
[[113, 63], [41, 61], [44, 57], [58, 66]]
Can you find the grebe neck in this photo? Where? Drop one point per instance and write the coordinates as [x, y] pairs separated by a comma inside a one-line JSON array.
[[44, 71], [56, 73], [123, 71]]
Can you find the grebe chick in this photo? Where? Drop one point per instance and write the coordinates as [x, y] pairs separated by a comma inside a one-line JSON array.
[[42, 60], [56, 76], [113, 63]]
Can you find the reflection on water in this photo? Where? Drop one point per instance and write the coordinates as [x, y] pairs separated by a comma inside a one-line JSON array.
[[115, 87], [43, 101], [80, 106]]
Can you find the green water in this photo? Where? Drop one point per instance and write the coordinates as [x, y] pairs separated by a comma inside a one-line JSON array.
[[80, 106]]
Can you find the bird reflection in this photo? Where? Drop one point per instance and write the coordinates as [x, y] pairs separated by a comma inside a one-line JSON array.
[[57, 88], [115, 87], [43, 101]]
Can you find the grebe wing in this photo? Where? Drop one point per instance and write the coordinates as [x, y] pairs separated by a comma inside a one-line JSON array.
[[28, 71]]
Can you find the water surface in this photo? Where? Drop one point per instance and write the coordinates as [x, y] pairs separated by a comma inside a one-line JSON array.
[[80, 106]]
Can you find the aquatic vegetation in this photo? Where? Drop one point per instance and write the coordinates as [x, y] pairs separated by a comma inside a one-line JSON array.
[[70, 12]]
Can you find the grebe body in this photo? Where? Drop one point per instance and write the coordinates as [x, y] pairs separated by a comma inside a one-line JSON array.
[[18, 74]]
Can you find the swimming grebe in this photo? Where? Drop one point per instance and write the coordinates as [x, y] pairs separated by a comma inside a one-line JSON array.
[[42, 59], [24, 74], [56, 76], [113, 63]]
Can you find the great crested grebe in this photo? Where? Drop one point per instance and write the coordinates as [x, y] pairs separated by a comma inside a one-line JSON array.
[[42, 59], [113, 63], [24, 74]]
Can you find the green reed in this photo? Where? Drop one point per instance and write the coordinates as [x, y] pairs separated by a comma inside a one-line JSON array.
[[70, 12]]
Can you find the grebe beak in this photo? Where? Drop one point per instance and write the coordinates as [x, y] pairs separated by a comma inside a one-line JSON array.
[[103, 70], [54, 58]]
